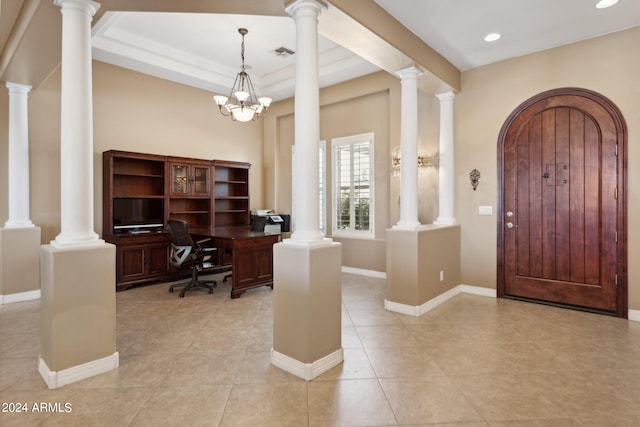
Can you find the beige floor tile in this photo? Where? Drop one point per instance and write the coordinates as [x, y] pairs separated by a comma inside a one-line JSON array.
[[386, 336], [466, 358], [611, 420], [205, 360], [13, 370], [585, 395], [220, 338], [348, 403], [256, 367], [428, 400], [350, 338], [356, 365], [102, 407], [403, 362], [267, 404], [260, 338], [154, 341], [374, 317], [501, 397], [439, 333], [26, 415], [135, 370], [184, 406], [192, 369], [555, 422]]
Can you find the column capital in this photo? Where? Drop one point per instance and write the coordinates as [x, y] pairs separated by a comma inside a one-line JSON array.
[[88, 6], [409, 72], [292, 7], [18, 88], [446, 96]]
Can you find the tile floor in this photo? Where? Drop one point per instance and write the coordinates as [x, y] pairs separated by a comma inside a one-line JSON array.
[[204, 361]]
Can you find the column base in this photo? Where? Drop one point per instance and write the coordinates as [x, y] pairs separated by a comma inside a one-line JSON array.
[[78, 311], [19, 264], [306, 371], [445, 221], [56, 379], [421, 265], [307, 308]]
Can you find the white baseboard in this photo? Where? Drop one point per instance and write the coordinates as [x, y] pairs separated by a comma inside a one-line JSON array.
[[363, 272], [478, 290], [306, 371], [419, 310], [634, 315], [20, 297], [55, 379]]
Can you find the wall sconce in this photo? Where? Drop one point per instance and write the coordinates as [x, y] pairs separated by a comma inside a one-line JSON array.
[[474, 175], [423, 161], [395, 161], [427, 161]]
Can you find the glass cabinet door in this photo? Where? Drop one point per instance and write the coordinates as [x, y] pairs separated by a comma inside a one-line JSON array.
[[200, 180], [179, 179]]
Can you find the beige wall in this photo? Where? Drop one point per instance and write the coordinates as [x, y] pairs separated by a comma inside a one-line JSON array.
[[132, 112], [608, 65]]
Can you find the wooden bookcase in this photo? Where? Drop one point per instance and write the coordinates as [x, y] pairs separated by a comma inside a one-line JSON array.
[[189, 191], [231, 193], [205, 193]]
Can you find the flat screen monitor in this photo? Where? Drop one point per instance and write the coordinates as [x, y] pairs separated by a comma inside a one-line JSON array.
[[132, 214]]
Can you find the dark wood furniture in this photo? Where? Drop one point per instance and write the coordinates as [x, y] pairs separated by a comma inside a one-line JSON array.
[[140, 257], [191, 254], [205, 193], [252, 261], [231, 193]]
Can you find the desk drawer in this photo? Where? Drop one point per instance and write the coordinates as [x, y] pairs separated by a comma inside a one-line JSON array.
[[252, 242]]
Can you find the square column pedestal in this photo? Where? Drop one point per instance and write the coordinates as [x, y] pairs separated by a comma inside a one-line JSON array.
[[307, 308], [19, 264], [78, 310], [422, 266]]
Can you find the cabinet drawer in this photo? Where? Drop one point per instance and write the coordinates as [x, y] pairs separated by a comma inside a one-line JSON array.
[[252, 242]]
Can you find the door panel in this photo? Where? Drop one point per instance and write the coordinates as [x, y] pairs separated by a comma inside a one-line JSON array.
[[560, 203]]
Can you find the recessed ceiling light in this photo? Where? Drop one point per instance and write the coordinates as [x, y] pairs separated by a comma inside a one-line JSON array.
[[492, 37], [603, 4]]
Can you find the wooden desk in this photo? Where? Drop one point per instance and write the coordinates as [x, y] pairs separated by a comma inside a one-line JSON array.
[[252, 255]]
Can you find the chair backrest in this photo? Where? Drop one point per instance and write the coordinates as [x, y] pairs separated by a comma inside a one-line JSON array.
[[179, 231]]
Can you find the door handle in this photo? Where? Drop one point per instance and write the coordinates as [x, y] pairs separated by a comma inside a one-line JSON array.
[[511, 225]]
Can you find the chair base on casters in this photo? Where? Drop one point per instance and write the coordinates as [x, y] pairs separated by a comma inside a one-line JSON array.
[[194, 283]]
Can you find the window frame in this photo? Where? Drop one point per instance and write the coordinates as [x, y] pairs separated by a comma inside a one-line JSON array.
[[335, 193]]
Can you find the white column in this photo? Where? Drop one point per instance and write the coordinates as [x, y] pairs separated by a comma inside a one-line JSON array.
[[409, 149], [307, 124], [18, 157], [446, 167], [76, 143]]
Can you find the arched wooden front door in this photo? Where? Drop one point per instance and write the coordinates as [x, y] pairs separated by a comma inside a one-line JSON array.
[[562, 207]]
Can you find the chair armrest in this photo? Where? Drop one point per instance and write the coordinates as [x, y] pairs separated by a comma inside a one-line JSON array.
[[199, 242]]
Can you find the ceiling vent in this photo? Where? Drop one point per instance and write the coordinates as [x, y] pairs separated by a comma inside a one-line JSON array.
[[283, 51]]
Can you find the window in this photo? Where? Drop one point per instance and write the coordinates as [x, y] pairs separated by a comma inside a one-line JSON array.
[[352, 166], [322, 182]]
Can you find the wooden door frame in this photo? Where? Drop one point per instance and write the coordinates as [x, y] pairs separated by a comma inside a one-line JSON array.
[[621, 128]]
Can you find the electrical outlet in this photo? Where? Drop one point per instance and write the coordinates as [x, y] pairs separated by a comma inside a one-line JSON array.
[[442, 275]]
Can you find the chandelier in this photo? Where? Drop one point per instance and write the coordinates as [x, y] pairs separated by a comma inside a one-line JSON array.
[[242, 104]]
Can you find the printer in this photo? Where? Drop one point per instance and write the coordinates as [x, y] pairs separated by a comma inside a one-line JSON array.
[[269, 222]]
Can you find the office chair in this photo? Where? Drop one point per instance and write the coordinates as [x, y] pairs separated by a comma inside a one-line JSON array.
[[186, 253]]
